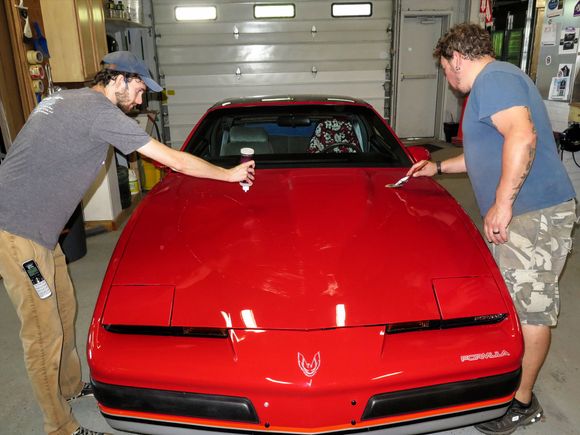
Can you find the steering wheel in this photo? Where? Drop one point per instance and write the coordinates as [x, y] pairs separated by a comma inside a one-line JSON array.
[[331, 148]]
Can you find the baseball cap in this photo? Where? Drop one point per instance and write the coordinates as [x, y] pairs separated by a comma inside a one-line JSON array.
[[126, 61]]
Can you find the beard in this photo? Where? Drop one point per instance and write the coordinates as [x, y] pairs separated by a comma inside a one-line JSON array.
[[123, 101]]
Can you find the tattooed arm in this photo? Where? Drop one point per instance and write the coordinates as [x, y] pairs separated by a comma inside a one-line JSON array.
[[519, 148]]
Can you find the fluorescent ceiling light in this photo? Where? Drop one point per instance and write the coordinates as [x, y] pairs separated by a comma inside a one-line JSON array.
[[274, 11], [352, 9], [195, 13]]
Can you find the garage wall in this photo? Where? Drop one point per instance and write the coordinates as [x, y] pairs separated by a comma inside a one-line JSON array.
[[237, 55]]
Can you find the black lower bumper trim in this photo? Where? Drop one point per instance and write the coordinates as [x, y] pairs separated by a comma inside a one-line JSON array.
[[441, 396], [225, 408]]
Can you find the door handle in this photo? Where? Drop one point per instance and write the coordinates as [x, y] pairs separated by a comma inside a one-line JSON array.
[[417, 76]]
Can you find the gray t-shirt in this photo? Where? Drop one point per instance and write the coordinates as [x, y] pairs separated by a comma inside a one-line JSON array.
[[56, 157]]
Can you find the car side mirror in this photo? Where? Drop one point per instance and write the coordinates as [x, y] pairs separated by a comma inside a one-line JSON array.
[[418, 153]]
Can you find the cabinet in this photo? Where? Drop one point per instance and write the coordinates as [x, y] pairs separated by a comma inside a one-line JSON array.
[[75, 30]]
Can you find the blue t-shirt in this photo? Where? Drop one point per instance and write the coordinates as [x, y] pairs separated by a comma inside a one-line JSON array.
[[499, 86]]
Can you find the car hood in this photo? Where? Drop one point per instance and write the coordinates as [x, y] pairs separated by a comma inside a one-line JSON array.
[[303, 249]]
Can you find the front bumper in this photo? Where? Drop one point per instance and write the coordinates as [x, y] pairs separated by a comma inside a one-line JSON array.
[[410, 411]]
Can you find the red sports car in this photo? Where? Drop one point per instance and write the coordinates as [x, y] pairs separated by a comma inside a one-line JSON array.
[[326, 298]]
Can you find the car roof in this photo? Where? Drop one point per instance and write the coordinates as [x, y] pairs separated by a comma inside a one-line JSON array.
[[290, 99]]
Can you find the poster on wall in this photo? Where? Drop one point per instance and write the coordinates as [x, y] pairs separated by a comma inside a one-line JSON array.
[[559, 88], [564, 70], [550, 34], [569, 40], [554, 8]]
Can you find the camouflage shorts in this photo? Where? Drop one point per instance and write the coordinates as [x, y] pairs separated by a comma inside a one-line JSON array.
[[533, 258]]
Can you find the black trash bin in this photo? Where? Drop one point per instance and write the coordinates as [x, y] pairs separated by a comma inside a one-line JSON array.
[[73, 240], [124, 188], [450, 129]]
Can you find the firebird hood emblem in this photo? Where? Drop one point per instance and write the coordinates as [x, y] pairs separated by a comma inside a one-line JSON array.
[[309, 368]]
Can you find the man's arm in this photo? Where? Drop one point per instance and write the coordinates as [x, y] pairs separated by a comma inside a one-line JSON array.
[[453, 165], [519, 149], [194, 166]]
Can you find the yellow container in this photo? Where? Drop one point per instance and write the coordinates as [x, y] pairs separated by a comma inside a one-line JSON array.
[[151, 175]]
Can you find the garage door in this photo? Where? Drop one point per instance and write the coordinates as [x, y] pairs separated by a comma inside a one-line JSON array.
[[237, 55]]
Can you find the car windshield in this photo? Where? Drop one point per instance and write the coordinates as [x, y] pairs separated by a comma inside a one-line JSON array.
[[298, 135]]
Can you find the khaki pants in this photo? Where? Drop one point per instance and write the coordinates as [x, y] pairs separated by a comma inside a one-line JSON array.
[[47, 328]]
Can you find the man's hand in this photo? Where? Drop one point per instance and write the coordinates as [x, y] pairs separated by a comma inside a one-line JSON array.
[[423, 168], [242, 172], [495, 223], [454, 165]]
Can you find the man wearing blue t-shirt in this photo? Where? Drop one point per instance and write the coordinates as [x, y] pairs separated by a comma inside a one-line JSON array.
[[522, 189]]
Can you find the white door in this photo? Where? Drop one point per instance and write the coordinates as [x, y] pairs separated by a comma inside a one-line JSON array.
[[418, 76]]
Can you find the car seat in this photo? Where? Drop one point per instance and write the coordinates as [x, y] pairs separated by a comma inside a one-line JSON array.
[[334, 135], [253, 137]]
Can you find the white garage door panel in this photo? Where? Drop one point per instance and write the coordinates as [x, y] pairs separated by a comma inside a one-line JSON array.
[[257, 53], [187, 119], [248, 68], [216, 93], [275, 37], [199, 60], [206, 90], [240, 11], [181, 132], [206, 95], [260, 79], [250, 26]]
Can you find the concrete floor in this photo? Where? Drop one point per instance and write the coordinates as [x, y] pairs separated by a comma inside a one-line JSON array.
[[558, 386]]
